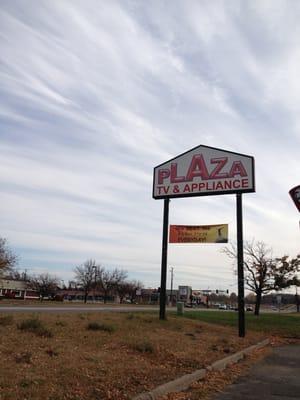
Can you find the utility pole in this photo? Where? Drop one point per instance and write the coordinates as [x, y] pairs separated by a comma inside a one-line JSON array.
[[172, 274]]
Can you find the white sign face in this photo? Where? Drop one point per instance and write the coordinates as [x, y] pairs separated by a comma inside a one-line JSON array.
[[183, 291], [204, 171]]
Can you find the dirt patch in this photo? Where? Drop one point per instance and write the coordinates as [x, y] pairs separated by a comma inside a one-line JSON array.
[[138, 353]]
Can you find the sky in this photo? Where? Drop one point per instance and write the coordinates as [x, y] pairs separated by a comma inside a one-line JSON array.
[[95, 94]]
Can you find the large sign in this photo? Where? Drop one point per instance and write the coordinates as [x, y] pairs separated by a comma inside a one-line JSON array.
[[204, 171], [295, 195], [198, 233]]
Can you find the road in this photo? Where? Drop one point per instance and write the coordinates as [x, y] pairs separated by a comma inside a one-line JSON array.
[[277, 377], [109, 308], [58, 309]]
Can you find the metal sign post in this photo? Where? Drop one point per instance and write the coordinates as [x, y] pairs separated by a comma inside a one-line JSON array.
[[164, 260], [240, 263]]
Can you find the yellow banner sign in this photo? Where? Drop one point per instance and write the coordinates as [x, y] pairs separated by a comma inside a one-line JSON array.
[[198, 233]]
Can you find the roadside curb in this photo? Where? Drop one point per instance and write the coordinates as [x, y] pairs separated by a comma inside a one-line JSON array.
[[182, 383]]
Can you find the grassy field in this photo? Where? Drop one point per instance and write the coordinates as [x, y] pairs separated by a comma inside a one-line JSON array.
[[285, 325], [104, 356]]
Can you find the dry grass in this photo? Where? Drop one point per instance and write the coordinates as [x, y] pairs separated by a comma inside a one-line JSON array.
[[137, 354]]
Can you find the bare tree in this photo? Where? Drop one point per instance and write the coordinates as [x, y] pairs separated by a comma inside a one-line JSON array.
[[128, 288], [109, 281], [233, 298], [263, 273], [123, 290], [134, 285], [8, 259], [45, 284], [85, 276]]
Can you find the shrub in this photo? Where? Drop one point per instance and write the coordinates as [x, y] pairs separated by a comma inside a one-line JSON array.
[[6, 320], [143, 347], [34, 325], [95, 326], [147, 320]]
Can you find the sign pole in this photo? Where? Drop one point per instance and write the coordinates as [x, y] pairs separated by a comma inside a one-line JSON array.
[[240, 262], [164, 256]]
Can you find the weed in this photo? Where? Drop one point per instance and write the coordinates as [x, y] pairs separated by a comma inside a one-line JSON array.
[[214, 347], [224, 341], [148, 320], [6, 320], [95, 326], [52, 353], [23, 358], [60, 323], [34, 325], [192, 335], [143, 347], [25, 383]]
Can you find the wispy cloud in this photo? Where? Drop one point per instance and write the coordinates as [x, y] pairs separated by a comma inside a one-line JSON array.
[[95, 94]]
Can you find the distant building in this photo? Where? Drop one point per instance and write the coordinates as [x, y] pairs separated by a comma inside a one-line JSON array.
[[16, 289]]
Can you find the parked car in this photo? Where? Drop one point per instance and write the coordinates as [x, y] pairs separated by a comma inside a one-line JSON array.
[[249, 308], [190, 305], [222, 307]]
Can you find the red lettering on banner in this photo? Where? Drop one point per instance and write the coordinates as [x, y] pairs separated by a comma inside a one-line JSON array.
[[197, 168], [236, 184], [174, 177], [216, 173]]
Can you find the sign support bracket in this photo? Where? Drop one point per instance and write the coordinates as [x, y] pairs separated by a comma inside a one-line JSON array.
[[164, 260]]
